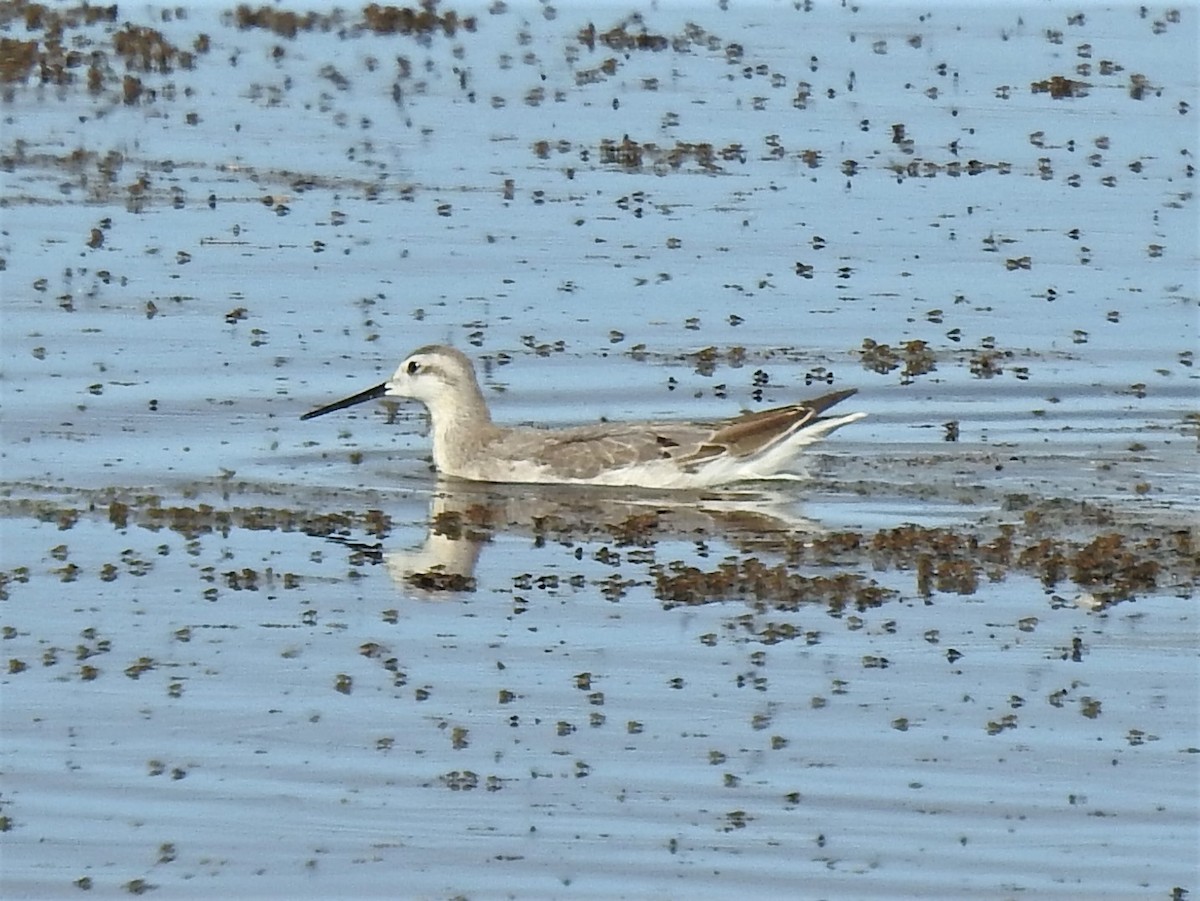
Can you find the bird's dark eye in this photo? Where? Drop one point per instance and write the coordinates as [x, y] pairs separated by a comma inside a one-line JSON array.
[[413, 367]]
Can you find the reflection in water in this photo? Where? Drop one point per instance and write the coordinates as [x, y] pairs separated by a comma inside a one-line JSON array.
[[463, 517], [753, 546]]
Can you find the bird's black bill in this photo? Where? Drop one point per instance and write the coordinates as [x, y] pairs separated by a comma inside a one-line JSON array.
[[362, 397]]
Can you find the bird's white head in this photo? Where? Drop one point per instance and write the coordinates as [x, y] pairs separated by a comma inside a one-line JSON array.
[[442, 378]]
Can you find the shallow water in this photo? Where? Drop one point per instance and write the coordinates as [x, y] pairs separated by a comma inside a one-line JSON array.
[[248, 655]]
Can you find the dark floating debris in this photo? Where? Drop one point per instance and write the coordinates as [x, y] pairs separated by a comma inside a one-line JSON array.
[[1057, 542], [914, 355], [1060, 87]]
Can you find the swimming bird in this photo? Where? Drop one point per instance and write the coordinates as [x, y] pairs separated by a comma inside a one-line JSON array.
[[468, 445]]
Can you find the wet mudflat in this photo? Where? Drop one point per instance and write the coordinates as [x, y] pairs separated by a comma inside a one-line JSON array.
[[248, 655]]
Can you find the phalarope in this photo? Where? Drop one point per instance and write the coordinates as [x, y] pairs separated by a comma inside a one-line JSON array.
[[468, 445]]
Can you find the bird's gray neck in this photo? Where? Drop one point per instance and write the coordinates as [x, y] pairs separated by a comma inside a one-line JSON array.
[[458, 432]]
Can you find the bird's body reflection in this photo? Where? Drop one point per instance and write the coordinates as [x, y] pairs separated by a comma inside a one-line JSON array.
[[464, 517]]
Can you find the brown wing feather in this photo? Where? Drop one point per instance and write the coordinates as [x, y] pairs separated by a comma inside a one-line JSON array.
[[751, 432]]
